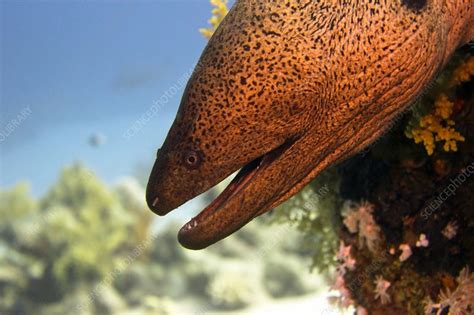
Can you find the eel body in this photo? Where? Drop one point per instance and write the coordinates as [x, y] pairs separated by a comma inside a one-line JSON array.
[[285, 89]]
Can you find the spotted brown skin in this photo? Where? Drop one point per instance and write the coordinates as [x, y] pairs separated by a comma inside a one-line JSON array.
[[285, 89]]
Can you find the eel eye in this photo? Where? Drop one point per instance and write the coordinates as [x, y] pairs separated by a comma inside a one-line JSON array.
[[192, 159]]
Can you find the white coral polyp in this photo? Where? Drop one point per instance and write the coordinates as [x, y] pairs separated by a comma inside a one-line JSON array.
[[358, 218], [406, 252], [422, 241], [450, 230], [460, 301], [381, 287]]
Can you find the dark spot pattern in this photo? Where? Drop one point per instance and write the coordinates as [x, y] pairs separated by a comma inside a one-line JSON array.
[[326, 75]]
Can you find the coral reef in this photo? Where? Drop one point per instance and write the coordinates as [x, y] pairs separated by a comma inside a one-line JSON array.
[[218, 13], [358, 219], [422, 206], [459, 302], [404, 212]]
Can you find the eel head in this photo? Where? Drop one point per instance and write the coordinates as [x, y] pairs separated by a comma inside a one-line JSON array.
[[283, 90]]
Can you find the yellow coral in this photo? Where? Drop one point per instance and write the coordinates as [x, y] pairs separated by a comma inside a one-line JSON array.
[[464, 72], [218, 14], [443, 107], [438, 127]]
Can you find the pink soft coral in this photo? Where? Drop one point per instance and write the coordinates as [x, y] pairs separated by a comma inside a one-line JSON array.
[[344, 256], [358, 218], [381, 287], [344, 299], [460, 301]]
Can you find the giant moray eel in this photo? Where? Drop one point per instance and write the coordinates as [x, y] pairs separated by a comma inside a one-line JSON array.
[[286, 88]]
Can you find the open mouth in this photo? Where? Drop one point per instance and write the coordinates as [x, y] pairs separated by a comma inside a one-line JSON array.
[[238, 184]]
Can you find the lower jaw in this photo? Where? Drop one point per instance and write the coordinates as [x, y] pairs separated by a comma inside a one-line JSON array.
[[199, 227], [238, 183]]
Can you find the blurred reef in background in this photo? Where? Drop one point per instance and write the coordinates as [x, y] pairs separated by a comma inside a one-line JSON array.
[[85, 248]]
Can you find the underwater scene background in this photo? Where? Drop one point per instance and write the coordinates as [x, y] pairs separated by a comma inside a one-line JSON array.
[[88, 92]]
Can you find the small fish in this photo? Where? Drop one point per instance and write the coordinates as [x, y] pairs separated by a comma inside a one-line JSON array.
[[285, 89]]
